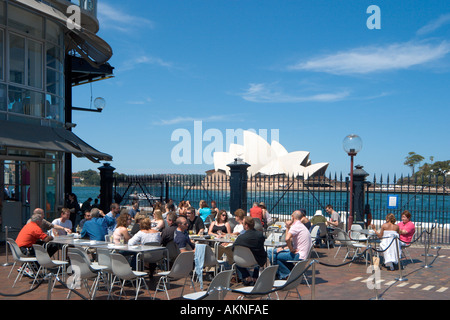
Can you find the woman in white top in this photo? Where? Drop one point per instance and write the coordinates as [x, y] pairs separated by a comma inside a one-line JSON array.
[[121, 231], [146, 234]]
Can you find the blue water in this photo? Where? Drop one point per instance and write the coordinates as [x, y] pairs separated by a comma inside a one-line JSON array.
[[83, 193], [425, 208]]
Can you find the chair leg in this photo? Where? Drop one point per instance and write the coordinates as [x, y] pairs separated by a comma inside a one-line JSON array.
[[13, 266]]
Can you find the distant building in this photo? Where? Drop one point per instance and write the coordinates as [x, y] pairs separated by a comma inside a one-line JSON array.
[[268, 159], [41, 57]]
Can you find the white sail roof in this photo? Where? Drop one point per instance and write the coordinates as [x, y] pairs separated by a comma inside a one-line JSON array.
[[268, 159]]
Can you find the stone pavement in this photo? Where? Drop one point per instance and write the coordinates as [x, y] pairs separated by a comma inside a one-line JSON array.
[[334, 281]]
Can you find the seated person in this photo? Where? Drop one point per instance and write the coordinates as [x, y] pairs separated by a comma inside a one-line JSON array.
[[97, 227], [254, 240], [406, 229], [298, 241], [239, 215], [31, 233], [388, 231], [63, 221], [220, 226], [195, 222], [181, 237]]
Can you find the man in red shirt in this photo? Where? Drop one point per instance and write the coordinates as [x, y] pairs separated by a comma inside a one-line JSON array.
[[32, 233], [256, 212]]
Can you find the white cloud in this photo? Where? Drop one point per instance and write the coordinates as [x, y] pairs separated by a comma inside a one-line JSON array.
[[435, 24], [133, 63], [376, 58], [115, 18], [261, 92], [215, 118]]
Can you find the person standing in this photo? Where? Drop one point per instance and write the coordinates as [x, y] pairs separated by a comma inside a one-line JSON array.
[[74, 207], [298, 241]]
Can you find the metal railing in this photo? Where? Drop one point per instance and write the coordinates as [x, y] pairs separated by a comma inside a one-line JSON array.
[[428, 200]]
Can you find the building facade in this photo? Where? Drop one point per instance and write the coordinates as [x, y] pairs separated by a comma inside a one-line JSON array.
[[42, 56]]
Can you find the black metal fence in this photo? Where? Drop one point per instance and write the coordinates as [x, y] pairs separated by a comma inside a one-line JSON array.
[[429, 203]]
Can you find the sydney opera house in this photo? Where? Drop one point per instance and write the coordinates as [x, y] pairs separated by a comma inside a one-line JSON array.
[[268, 159]]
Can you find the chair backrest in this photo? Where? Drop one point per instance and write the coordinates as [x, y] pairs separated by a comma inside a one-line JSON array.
[[42, 256], [258, 224], [210, 258], [243, 257], [81, 252], [341, 236], [265, 280], [15, 250], [79, 264], [120, 267], [173, 250], [295, 277], [104, 258], [355, 227], [322, 229], [182, 265], [222, 279], [315, 232]]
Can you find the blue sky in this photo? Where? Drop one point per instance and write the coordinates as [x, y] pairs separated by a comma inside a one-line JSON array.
[[312, 70]]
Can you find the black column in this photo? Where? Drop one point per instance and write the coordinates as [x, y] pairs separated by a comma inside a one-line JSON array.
[[106, 186], [238, 185], [68, 118], [359, 180]]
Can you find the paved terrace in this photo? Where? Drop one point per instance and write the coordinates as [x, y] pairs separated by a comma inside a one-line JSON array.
[[346, 282]]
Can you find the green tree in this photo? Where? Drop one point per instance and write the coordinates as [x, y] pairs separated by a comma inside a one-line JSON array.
[[412, 160]]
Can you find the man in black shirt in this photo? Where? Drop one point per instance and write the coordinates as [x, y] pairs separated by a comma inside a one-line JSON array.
[[254, 240], [195, 222]]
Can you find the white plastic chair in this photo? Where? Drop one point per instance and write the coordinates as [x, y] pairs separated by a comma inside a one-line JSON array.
[[122, 270], [19, 257], [355, 234], [294, 279], [181, 268], [82, 272], [220, 281], [45, 262], [263, 284]]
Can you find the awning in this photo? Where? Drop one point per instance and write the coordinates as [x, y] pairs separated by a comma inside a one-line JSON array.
[[22, 135], [90, 46]]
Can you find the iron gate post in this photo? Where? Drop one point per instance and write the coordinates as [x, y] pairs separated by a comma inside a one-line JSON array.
[[238, 185], [106, 186], [359, 180]]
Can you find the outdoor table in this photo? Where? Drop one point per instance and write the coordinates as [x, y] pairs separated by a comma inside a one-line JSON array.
[[138, 249]]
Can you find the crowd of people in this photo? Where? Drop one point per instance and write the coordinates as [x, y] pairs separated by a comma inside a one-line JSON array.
[[167, 222]]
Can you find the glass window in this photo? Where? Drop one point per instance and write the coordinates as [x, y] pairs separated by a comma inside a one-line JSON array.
[[25, 21], [2, 97], [55, 57], [16, 59], [55, 82], [26, 102], [54, 33], [54, 108], [1, 53], [35, 64], [2, 12]]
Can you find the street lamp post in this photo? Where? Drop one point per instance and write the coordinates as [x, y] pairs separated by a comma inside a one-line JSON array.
[[352, 145]]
